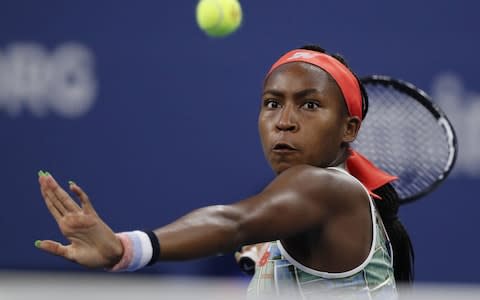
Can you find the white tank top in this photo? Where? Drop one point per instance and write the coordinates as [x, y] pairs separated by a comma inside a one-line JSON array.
[[279, 274]]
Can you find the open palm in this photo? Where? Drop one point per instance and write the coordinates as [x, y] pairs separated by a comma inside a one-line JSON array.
[[93, 243]]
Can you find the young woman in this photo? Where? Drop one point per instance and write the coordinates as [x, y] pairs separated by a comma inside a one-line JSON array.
[[324, 233]]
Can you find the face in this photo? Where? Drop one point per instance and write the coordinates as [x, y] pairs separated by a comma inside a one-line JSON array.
[[303, 118]]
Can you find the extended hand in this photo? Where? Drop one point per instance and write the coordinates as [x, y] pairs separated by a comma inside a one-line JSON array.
[[93, 243]]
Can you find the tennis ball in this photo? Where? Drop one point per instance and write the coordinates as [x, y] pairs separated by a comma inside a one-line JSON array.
[[218, 18]]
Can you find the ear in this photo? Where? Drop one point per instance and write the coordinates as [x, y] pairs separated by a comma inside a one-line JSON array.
[[351, 129]]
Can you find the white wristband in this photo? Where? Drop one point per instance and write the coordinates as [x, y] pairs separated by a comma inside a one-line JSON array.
[[137, 251]]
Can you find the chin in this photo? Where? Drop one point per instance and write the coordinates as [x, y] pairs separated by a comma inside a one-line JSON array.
[[279, 171], [280, 167]]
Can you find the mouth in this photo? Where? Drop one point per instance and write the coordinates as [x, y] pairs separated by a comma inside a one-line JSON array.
[[283, 148]]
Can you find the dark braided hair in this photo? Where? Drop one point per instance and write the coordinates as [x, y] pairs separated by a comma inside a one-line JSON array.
[[403, 254]]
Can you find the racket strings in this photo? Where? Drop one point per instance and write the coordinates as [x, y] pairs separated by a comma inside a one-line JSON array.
[[402, 137]]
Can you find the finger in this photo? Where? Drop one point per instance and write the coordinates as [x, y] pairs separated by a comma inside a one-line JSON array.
[[42, 180], [51, 199], [47, 197], [84, 199], [63, 200], [57, 215], [41, 177], [237, 256], [52, 247]]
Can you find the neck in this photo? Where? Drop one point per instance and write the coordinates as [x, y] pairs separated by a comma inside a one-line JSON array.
[[339, 161]]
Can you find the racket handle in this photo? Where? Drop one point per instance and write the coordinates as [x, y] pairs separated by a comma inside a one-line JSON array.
[[252, 255], [247, 264], [248, 260]]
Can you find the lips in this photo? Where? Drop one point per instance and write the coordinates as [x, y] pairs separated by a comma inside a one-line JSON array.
[[283, 147]]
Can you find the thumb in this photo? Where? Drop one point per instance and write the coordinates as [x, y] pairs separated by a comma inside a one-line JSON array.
[[52, 247]]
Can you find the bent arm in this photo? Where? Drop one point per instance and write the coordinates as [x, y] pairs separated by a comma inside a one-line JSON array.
[[295, 201]]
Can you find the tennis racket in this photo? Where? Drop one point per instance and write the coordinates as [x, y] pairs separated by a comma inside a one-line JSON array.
[[406, 135]]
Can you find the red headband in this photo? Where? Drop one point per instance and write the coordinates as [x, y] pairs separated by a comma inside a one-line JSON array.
[[341, 74], [358, 165]]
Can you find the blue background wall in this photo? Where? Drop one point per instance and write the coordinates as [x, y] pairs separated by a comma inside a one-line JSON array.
[[133, 102]]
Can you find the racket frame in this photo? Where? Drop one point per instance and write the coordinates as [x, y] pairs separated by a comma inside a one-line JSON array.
[[443, 121]]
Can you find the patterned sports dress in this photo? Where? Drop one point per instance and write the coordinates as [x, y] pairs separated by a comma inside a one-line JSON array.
[[278, 275]]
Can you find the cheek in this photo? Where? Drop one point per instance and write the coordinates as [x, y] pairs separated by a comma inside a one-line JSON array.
[[325, 140], [262, 128]]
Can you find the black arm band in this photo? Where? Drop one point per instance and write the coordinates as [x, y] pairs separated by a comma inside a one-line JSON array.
[[155, 247]]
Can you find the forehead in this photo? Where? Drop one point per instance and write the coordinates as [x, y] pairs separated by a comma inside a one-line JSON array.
[[300, 75]]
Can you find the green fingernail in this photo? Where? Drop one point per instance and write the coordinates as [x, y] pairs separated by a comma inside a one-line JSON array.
[[47, 174], [70, 182], [37, 243], [40, 173]]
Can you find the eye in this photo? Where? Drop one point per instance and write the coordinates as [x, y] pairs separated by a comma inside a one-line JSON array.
[[311, 105], [271, 104]]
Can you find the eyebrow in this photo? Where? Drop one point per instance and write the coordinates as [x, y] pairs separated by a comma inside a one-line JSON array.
[[299, 94]]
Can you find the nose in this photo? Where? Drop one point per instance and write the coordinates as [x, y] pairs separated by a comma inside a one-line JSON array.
[[287, 119]]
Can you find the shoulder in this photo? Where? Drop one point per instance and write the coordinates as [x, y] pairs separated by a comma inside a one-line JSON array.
[[314, 177], [330, 185]]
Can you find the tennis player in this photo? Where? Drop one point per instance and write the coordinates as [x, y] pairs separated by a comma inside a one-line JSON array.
[[329, 217]]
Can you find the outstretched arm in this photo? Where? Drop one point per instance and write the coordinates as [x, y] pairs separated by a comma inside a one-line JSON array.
[[297, 200]]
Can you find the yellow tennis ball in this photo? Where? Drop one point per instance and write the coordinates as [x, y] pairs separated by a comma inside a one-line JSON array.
[[218, 18]]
